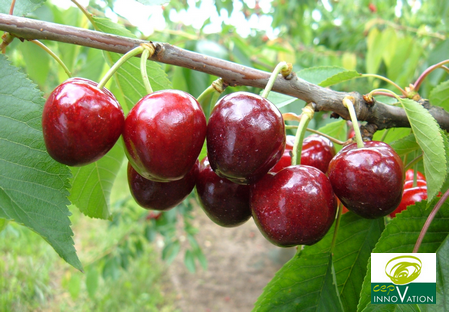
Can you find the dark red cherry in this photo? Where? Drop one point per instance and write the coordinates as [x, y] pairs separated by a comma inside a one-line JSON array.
[[245, 137], [410, 197], [224, 202], [160, 195], [295, 206], [369, 180], [80, 122], [164, 134], [317, 151]]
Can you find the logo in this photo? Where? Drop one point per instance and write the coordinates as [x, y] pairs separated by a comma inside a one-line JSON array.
[[403, 278]]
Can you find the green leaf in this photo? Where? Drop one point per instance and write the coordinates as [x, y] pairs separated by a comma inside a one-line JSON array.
[[356, 239], [189, 261], [33, 187], [327, 75], [392, 308], [336, 129], [442, 301], [170, 251], [401, 233], [374, 52], [92, 184], [304, 283], [3, 224], [429, 138], [37, 62], [405, 145], [21, 7], [281, 100], [92, 282], [439, 96]]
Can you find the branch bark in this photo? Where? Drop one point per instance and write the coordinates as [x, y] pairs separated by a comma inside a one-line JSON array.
[[378, 115]]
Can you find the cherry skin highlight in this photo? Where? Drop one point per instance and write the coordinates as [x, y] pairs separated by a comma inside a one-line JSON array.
[[295, 206], [409, 175], [160, 195], [164, 134], [224, 202], [245, 137], [369, 180], [80, 122]]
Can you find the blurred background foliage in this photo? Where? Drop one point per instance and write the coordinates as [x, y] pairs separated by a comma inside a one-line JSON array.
[[398, 39]]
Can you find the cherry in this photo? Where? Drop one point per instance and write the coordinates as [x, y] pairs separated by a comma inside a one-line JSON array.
[[409, 175], [224, 202], [164, 133], [80, 122], [245, 137], [369, 180], [410, 197], [295, 206], [317, 151], [160, 195]]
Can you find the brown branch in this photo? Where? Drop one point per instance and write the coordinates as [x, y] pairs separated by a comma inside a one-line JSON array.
[[378, 115]]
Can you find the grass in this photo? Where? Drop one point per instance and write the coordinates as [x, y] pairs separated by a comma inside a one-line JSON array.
[[118, 277]]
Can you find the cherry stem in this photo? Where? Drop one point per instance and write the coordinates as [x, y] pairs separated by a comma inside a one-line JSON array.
[[143, 70], [136, 51], [347, 102], [11, 9], [87, 14], [385, 92], [306, 116], [387, 80], [52, 54], [413, 162], [425, 73], [337, 225], [282, 66], [429, 221], [216, 88]]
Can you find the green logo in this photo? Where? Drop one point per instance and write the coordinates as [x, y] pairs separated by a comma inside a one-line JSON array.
[[403, 269]]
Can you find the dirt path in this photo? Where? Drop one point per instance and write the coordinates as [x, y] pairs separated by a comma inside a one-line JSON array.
[[240, 263]]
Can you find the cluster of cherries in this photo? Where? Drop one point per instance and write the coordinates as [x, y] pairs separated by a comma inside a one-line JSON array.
[[248, 169]]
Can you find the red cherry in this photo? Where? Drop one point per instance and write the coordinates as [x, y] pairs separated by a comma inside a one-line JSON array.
[[372, 7], [224, 202], [164, 134], [409, 175], [160, 195], [80, 122], [245, 137], [295, 206], [351, 133], [317, 151], [369, 180], [409, 183], [410, 197], [152, 215]]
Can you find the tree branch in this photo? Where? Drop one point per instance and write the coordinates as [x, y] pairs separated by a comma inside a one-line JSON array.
[[378, 115]]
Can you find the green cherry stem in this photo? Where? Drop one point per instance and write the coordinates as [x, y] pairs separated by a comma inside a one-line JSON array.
[[332, 139], [384, 92], [413, 162], [52, 54], [136, 51], [281, 67], [337, 225], [306, 116], [213, 92], [347, 102], [143, 70]]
